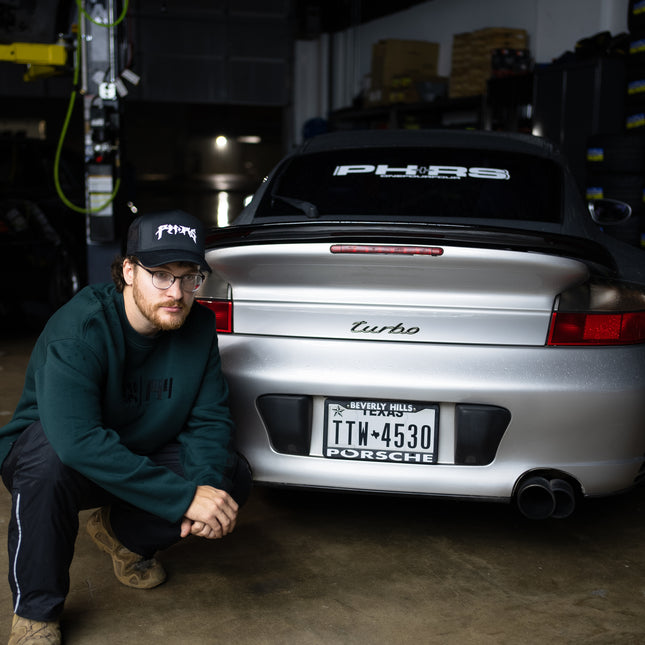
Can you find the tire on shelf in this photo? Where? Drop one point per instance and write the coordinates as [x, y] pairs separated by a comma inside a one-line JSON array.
[[636, 15], [616, 153]]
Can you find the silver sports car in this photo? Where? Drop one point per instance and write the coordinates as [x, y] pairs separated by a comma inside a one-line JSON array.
[[434, 313]]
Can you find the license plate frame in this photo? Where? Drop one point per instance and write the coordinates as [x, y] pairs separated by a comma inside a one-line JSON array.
[[392, 431]]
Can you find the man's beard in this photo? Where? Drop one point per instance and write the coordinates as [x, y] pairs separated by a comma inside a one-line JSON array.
[[152, 313]]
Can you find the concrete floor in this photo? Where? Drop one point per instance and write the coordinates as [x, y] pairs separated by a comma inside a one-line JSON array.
[[308, 568]]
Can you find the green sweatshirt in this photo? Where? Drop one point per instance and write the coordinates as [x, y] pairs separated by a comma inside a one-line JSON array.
[[108, 396]]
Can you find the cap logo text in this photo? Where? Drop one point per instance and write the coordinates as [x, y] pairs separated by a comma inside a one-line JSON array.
[[175, 229]]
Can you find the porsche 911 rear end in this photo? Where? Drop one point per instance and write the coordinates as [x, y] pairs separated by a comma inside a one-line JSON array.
[[414, 316]]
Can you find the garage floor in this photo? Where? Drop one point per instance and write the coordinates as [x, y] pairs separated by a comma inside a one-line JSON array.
[[309, 568]]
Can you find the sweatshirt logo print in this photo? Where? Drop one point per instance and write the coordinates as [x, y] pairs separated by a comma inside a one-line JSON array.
[[140, 391], [175, 229]]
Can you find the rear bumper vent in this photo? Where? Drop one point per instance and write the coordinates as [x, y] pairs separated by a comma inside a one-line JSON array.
[[288, 421], [479, 430]]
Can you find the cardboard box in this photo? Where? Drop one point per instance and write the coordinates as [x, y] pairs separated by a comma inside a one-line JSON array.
[[472, 57], [394, 58]]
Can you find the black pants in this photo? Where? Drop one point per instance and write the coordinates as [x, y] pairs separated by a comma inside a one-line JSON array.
[[47, 496]]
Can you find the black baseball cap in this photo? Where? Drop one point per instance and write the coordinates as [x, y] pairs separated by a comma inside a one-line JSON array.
[[170, 236]]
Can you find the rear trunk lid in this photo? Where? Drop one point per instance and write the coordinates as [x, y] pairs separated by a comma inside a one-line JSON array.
[[449, 294]]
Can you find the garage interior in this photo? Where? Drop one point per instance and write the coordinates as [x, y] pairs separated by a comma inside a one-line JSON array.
[[215, 93]]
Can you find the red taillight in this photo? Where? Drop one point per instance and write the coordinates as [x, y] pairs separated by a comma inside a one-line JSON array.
[[599, 312], [603, 328], [223, 310]]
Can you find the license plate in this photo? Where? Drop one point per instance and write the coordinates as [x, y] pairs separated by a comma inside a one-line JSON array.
[[389, 431]]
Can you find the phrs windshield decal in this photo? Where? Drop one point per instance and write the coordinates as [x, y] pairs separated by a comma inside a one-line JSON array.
[[414, 171]]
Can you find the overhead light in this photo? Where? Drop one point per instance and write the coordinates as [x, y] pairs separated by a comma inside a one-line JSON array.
[[251, 138], [222, 209], [221, 142]]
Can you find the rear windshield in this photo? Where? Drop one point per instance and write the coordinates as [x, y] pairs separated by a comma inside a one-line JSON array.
[[414, 184]]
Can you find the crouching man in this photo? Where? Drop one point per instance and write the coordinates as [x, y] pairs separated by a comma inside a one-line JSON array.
[[124, 408]]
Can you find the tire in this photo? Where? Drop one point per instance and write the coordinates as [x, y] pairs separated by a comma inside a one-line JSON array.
[[623, 187], [636, 49], [636, 15], [616, 153], [635, 120], [635, 79]]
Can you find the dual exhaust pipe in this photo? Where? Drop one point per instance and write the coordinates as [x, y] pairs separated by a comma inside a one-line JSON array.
[[540, 497]]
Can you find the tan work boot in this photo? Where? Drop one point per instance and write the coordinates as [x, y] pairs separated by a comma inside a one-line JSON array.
[[131, 569], [27, 632]]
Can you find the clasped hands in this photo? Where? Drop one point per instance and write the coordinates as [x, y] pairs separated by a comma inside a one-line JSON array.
[[211, 515]]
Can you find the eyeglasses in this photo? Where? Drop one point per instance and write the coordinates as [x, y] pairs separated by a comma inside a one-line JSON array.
[[190, 282]]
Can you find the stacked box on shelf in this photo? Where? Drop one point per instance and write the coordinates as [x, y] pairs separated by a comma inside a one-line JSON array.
[[471, 57], [460, 76], [397, 66]]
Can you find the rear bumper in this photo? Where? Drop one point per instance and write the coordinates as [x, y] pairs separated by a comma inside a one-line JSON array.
[[580, 411]]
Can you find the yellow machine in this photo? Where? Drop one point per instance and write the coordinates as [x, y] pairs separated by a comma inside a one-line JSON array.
[[41, 60]]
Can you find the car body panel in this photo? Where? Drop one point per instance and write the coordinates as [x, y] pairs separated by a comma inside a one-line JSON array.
[[444, 316], [472, 299], [557, 421]]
